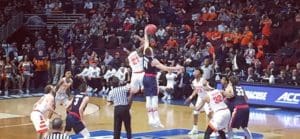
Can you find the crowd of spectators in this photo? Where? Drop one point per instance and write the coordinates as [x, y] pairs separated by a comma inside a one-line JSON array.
[[223, 37]]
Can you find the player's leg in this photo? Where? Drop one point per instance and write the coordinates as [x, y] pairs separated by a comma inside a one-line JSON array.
[[195, 118], [208, 132], [244, 124], [149, 110], [39, 124], [154, 103]]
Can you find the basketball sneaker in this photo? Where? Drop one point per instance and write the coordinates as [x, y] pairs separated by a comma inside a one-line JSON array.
[[193, 132]]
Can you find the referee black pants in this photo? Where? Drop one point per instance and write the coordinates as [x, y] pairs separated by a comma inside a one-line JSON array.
[[121, 114]]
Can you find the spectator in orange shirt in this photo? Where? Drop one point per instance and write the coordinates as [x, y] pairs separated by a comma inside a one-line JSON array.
[[260, 53], [236, 36], [246, 37], [208, 34], [171, 43], [216, 35], [139, 13], [266, 25], [212, 15], [149, 4], [262, 42]]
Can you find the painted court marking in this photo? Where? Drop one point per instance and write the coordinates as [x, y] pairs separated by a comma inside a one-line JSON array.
[[7, 115], [162, 134]]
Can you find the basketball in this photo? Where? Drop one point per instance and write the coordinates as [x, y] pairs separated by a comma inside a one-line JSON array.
[[151, 29]]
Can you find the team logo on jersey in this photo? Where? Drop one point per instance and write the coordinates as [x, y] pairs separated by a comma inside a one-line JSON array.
[[289, 97], [162, 134]]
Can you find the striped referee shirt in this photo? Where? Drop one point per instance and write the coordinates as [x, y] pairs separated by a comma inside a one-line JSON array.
[[57, 135], [119, 95]]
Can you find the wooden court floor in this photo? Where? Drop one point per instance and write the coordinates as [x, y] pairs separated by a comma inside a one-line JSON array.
[[15, 120]]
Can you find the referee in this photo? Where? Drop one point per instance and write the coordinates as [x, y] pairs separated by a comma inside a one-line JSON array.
[[121, 100], [57, 130]]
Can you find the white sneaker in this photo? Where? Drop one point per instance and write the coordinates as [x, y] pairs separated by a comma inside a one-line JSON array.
[[164, 98], [169, 97], [27, 91], [158, 125], [193, 132]]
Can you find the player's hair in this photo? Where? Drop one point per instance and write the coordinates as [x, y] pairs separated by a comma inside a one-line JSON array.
[[48, 89], [200, 70], [82, 87], [234, 80], [57, 124], [148, 51]]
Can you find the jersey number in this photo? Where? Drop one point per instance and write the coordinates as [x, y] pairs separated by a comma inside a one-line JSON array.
[[240, 92], [146, 63], [76, 101], [217, 99]]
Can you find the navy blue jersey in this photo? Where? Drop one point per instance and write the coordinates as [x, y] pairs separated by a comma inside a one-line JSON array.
[[77, 100], [147, 65], [239, 96]]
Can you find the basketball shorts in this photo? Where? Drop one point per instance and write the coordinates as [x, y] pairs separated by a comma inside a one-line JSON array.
[[137, 81], [74, 122], [240, 116], [150, 86], [220, 119], [39, 122]]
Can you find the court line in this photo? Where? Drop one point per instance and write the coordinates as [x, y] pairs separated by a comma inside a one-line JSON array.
[[7, 126]]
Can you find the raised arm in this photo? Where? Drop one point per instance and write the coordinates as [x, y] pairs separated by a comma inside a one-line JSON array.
[[163, 67]]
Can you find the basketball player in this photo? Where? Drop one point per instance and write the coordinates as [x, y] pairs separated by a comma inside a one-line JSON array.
[[151, 65], [221, 114], [40, 109], [75, 110], [240, 114], [63, 89], [200, 86], [137, 75]]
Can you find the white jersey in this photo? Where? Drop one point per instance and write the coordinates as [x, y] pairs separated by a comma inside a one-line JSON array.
[[135, 62], [216, 100], [198, 85], [43, 107], [171, 79], [65, 85]]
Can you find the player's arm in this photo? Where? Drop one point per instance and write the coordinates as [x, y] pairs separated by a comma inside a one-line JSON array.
[[189, 99], [207, 86], [161, 66], [205, 100], [69, 104], [83, 105], [51, 105], [58, 84], [228, 92]]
